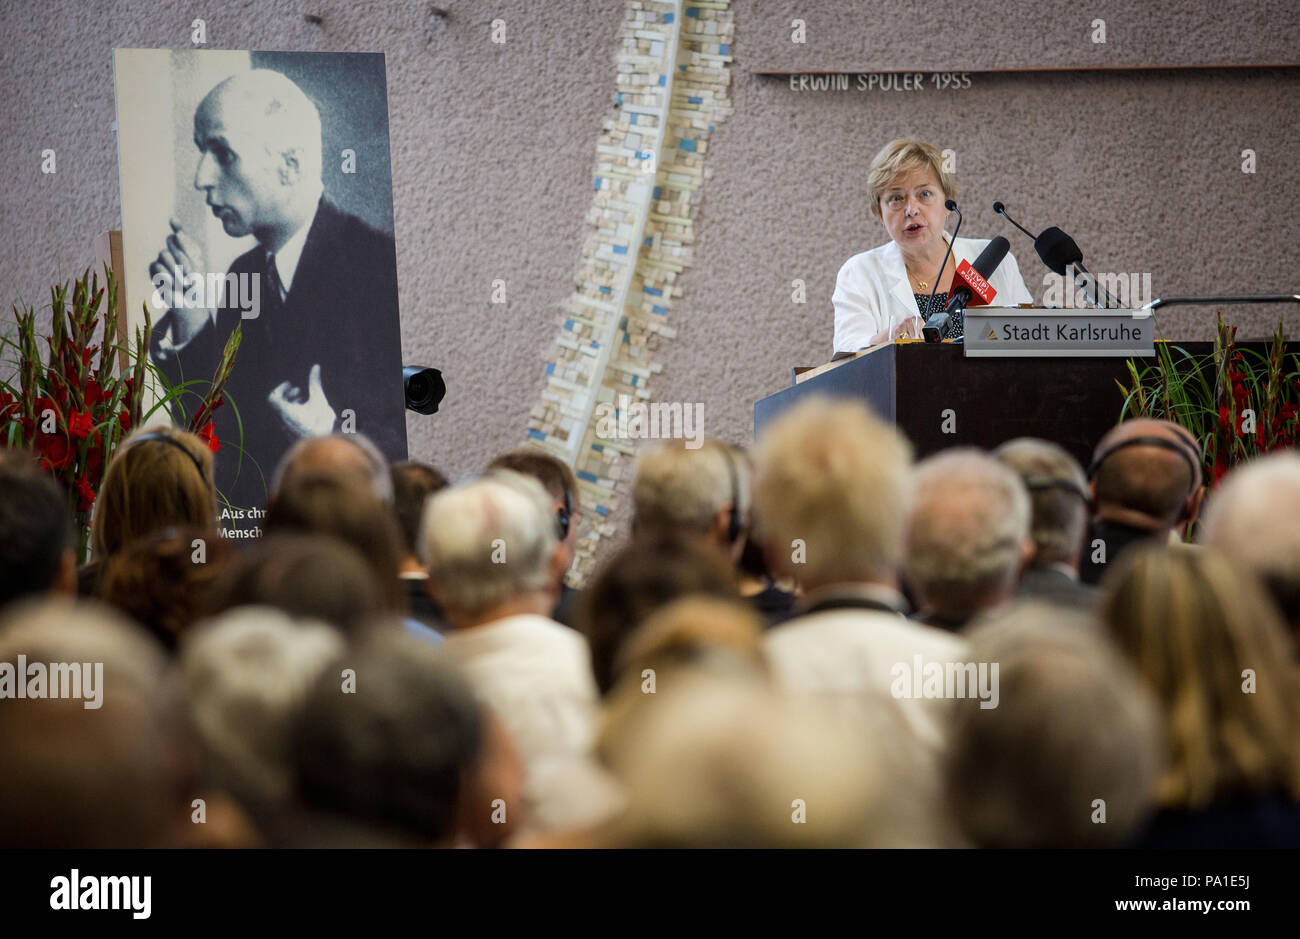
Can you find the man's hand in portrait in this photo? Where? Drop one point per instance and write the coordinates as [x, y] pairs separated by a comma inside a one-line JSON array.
[[306, 416], [179, 258]]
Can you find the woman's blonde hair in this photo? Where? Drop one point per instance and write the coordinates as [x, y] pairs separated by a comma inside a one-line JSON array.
[[153, 483], [1207, 640], [902, 156]]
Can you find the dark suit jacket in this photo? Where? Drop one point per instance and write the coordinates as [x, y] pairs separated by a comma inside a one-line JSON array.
[[1115, 539], [341, 313], [1047, 583]]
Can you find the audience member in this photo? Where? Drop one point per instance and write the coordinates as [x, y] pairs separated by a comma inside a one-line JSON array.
[[559, 482], [413, 484], [38, 552], [967, 538], [650, 572], [1058, 499], [338, 506], [305, 577], [701, 492], [351, 456], [160, 477], [1212, 647], [245, 675], [384, 743], [1253, 520], [833, 488], [96, 766], [1147, 484], [720, 763], [494, 564], [165, 580], [1038, 770]]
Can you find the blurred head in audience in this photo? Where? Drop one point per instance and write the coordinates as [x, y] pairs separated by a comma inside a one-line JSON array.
[[697, 492], [38, 552], [697, 630], [343, 507], [1147, 474], [1210, 644], [491, 549], [649, 573], [352, 456], [306, 577], [245, 675], [726, 763], [832, 489], [393, 758], [698, 634], [1058, 498], [100, 770], [1252, 521], [968, 535], [413, 484], [1072, 724], [160, 477], [560, 484], [164, 580]]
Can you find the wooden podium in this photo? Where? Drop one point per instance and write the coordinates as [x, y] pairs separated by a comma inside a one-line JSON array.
[[1070, 401]]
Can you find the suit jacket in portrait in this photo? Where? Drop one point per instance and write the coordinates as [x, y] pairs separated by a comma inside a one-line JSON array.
[[341, 313]]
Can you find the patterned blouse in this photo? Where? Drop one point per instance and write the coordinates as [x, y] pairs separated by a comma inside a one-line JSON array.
[[939, 303]]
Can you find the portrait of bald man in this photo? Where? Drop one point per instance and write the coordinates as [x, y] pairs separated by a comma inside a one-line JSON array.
[[316, 295]]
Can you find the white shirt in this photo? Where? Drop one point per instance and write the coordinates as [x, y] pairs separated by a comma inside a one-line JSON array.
[[287, 258], [844, 659], [536, 676], [872, 291]]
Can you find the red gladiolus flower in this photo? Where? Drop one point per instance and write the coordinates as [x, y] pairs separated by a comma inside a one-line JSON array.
[[85, 494], [209, 436], [94, 393], [55, 452], [80, 425], [1224, 420], [124, 418], [95, 464], [1288, 411]]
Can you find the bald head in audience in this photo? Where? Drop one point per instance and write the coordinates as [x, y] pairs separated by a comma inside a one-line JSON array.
[[349, 455], [1153, 483]]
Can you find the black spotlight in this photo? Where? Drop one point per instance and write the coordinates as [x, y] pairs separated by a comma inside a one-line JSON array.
[[424, 388]]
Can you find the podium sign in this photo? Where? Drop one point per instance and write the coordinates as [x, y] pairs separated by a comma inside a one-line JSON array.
[[1011, 332]]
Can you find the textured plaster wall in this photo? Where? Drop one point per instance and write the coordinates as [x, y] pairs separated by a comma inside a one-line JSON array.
[[493, 145]]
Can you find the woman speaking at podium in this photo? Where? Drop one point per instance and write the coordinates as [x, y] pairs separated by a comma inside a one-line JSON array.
[[884, 294]]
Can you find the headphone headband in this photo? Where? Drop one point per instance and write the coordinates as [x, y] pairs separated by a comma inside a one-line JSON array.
[[172, 441], [1150, 441]]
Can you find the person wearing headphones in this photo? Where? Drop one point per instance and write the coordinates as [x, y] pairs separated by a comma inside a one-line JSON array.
[[1147, 480]]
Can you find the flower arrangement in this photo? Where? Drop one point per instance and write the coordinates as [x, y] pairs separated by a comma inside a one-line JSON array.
[[1237, 402], [74, 406]]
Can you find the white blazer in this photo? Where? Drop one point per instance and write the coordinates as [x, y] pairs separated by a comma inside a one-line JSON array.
[[872, 290]]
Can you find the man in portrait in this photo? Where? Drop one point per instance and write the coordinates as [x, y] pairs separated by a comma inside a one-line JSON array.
[[312, 291]]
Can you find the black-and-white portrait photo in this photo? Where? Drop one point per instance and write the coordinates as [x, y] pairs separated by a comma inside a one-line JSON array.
[[257, 193]]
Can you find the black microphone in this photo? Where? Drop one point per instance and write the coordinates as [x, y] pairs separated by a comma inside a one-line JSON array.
[[1062, 256], [951, 206], [1001, 209], [984, 266]]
